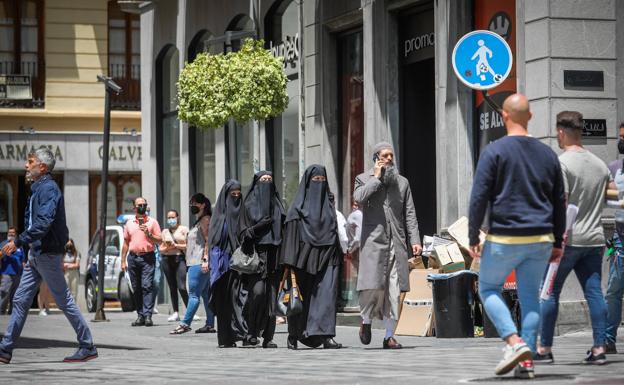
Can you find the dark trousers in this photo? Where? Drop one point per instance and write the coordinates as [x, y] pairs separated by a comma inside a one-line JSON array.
[[174, 268], [259, 310], [141, 271], [8, 285]]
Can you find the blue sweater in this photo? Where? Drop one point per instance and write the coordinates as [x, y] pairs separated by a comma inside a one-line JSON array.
[[46, 230], [520, 179]]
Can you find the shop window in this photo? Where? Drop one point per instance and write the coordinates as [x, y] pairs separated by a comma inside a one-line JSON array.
[[124, 57], [168, 130], [283, 131], [122, 190], [6, 207], [21, 47]]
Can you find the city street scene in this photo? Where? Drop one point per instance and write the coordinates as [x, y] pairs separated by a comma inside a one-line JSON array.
[[312, 191]]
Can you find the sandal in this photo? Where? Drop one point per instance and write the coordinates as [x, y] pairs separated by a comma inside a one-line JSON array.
[[181, 329]]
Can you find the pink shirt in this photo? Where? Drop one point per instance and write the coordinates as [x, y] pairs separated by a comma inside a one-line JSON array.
[[138, 242]]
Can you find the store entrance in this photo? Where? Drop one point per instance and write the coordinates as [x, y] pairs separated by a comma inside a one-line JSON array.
[[418, 123]]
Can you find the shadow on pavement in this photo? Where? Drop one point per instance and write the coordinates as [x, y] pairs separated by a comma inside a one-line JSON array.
[[538, 377], [41, 343]]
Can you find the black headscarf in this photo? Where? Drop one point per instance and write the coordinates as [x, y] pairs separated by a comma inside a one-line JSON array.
[[312, 207], [225, 213], [262, 202]]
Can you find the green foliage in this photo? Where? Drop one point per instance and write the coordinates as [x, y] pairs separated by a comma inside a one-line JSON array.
[[249, 84]]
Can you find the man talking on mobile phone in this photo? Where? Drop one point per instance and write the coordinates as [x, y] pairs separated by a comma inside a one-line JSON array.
[[140, 236], [389, 237]]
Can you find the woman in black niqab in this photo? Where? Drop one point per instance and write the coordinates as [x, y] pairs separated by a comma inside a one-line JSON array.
[[228, 293], [261, 221], [311, 248]]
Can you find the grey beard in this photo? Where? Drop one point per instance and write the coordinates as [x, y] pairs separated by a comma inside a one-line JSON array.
[[391, 175]]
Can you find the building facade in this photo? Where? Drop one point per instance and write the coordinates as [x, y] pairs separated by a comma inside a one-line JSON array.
[[363, 71], [50, 54]]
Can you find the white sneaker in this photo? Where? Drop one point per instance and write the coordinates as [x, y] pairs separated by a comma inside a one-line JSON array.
[[155, 311], [44, 312], [196, 318], [513, 355], [174, 317]]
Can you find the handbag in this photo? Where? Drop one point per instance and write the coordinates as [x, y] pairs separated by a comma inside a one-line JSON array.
[[246, 264], [289, 299]]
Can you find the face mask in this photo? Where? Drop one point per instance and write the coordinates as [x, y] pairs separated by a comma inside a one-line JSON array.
[[194, 210], [621, 146], [141, 209], [172, 222]]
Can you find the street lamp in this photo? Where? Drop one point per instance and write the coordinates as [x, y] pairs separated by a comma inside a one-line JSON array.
[[110, 86]]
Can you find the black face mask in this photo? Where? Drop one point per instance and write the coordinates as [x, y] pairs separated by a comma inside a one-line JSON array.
[[141, 209], [194, 210], [621, 146]]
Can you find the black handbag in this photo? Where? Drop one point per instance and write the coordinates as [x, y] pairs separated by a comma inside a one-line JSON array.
[[289, 298], [245, 263]]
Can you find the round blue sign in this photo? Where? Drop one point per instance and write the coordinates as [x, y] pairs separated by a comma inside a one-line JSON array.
[[482, 59]]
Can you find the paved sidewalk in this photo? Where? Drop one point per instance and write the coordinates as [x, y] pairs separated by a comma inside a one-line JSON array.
[[151, 355]]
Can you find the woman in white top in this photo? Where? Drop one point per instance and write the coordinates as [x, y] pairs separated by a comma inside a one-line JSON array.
[[172, 253], [71, 267]]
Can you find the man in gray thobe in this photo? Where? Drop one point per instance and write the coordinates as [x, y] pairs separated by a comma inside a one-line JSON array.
[[389, 237]]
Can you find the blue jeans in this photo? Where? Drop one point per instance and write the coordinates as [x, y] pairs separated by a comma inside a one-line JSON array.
[[615, 291], [199, 286], [46, 267], [587, 265], [497, 262]]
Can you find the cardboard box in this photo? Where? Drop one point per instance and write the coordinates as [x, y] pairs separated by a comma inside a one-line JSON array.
[[450, 258], [417, 305]]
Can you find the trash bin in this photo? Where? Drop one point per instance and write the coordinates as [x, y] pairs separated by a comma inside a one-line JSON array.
[[453, 300], [511, 299]]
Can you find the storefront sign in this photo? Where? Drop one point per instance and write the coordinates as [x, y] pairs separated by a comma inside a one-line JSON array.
[[416, 36], [288, 49], [72, 151], [496, 16], [583, 80], [595, 128]]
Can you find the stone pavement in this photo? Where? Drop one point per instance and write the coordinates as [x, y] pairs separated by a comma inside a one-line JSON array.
[[151, 355]]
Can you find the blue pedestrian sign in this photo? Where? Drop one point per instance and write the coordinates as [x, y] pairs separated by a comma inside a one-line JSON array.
[[482, 59]]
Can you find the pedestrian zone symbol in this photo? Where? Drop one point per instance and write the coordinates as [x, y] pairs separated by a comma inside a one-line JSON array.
[[482, 59]]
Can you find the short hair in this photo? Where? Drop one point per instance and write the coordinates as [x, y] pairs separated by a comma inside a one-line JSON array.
[[173, 211], [622, 124], [135, 199], [570, 120], [45, 156], [12, 228]]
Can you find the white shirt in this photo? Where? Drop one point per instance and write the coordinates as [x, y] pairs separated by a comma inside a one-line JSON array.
[[342, 232], [354, 225]]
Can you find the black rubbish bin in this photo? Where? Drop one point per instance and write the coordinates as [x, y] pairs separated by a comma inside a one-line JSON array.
[[511, 299], [453, 301]]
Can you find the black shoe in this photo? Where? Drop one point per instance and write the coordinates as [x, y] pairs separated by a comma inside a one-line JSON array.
[[365, 333], [82, 355], [330, 343], [610, 348], [5, 357], [595, 359], [225, 346], [269, 344], [148, 321], [206, 329], [391, 343], [547, 358], [292, 343], [250, 342], [140, 321]]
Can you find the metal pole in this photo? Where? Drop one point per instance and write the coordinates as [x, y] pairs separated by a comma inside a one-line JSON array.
[[109, 86]]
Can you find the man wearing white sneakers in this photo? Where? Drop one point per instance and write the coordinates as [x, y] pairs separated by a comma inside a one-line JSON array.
[[519, 179]]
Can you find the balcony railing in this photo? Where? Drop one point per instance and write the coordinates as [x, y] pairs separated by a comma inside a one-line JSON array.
[[37, 84], [130, 98]]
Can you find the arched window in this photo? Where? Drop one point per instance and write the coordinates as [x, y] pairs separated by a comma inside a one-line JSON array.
[[202, 142], [168, 129], [282, 133]]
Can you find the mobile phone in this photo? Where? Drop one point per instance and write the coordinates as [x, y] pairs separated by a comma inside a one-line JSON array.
[[375, 157], [141, 220]]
